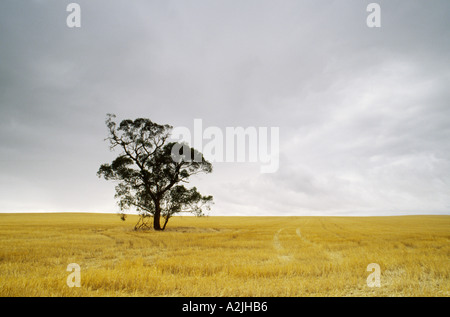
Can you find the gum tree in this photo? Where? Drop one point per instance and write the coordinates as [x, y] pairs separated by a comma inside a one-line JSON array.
[[150, 176]]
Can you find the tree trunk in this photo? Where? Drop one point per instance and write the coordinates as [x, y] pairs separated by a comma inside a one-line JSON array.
[[165, 222], [156, 217]]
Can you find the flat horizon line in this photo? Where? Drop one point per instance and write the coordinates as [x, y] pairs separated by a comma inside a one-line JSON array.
[[205, 216]]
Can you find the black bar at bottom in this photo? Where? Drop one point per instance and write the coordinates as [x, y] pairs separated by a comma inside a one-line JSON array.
[[230, 306]]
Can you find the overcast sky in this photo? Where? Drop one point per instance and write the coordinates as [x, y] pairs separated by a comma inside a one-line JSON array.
[[363, 113]]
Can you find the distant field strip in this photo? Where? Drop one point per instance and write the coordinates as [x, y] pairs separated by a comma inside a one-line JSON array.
[[224, 256]]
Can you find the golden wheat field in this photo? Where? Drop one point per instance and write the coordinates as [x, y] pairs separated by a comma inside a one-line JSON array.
[[224, 256]]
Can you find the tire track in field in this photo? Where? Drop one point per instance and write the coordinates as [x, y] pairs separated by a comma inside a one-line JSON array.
[[353, 237], [346, 231], [324, 227], [277, 245], [276, 240], [151, 240], [285, 255], [125, 238], [299, 234]]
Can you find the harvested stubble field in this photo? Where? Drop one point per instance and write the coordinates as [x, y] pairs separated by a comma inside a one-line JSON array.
[[224, 256]]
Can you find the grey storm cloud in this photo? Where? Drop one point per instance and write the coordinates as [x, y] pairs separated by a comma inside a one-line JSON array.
[[363, 112]]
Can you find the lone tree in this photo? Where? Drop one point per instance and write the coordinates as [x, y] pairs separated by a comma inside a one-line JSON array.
[[150, 171]]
